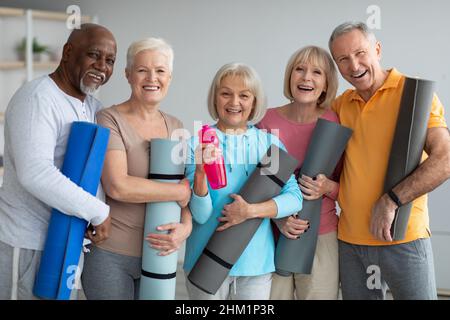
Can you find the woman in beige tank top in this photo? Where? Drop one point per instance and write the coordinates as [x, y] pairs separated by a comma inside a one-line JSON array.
[[112, 269]]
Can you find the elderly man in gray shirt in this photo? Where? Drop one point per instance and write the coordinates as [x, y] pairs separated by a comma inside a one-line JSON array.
[[38, 121]]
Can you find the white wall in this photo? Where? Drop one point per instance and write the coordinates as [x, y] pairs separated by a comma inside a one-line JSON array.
[[206, 34]]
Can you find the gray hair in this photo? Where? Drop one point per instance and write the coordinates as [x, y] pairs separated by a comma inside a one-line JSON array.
[[349, 26], [155, 44], [251, 81]]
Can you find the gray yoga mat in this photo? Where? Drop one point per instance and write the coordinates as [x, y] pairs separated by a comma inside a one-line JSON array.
[[408, 143], [158, 276], [225, 247], [327, 144]]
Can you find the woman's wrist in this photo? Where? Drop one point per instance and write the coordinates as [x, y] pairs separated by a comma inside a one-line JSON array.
[[200, 184], [252, 211], [199, 169], [331, 187], [181, 192]]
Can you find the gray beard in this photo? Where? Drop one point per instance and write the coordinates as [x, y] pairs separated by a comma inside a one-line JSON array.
[[89, 91]]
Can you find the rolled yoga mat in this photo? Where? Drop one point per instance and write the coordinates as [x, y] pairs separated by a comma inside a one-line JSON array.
[[327, 144], [83, 163], [158, 276], [408, 143], [225, 247]]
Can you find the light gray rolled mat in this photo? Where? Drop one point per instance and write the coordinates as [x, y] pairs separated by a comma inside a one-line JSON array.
[[327, 144], [408, 143], [225, 247], [158, 276]]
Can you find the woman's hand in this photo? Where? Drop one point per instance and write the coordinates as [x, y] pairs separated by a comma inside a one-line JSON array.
[[206, 153], [315, 188], [171, 241], [291, 227], [236, 212]]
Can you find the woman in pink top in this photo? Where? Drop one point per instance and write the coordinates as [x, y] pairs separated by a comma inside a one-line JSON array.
[[310, 83]]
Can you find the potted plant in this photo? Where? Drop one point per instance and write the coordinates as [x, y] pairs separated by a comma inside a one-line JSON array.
[[37, 49]]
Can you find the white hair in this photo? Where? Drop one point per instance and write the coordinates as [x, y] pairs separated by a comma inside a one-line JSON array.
[[156, 44]]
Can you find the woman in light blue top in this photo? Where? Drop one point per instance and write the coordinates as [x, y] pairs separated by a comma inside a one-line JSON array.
[[235, 98]]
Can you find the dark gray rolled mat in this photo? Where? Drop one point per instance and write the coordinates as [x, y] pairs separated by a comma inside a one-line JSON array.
[[225, 247], [327, 144], [408, 143]]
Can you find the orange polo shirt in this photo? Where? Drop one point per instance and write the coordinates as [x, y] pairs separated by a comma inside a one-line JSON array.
[[366, 160]]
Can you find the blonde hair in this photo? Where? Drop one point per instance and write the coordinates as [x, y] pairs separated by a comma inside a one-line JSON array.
[[251, 81], [156, 44], [320, 58]]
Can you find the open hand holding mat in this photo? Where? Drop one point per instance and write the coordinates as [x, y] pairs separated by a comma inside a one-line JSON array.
[[158, 277], [327, 144], [225, 247], [408, 143], [83, 164]]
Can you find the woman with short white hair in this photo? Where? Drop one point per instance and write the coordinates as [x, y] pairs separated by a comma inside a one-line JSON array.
[[112, 269]]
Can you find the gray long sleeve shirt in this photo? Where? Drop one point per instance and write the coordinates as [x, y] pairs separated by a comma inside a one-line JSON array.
[[37, 126]]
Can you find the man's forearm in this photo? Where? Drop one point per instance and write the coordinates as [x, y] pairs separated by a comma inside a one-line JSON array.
[[428, 175]]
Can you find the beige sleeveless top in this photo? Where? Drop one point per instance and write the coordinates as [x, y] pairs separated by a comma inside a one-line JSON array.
[[127, 219]]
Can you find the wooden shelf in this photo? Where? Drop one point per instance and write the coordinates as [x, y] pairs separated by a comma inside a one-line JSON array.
[[39, 14], [49, 15], [45, 65], [14, 65], [11, 12], [11, 65]]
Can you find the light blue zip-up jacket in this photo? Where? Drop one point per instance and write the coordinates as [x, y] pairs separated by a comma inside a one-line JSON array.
[[242, 153]]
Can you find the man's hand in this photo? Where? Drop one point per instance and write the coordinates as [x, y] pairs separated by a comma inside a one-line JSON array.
[[98, 234], [383, 214]]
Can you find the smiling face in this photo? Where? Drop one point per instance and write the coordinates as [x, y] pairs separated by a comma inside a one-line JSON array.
[[234, 103], [308, 82], [149, 77], [358, 60]]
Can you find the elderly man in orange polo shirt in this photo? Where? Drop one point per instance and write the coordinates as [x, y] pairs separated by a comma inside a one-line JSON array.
[[365, 243]]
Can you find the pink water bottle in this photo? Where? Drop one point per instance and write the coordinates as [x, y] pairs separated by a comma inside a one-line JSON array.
[[215, 171]]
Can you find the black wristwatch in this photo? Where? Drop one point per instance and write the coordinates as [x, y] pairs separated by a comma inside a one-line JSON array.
[[394, 198]]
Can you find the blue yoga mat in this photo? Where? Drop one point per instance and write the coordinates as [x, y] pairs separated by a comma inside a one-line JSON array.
[[83, 163], [158, 278]]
